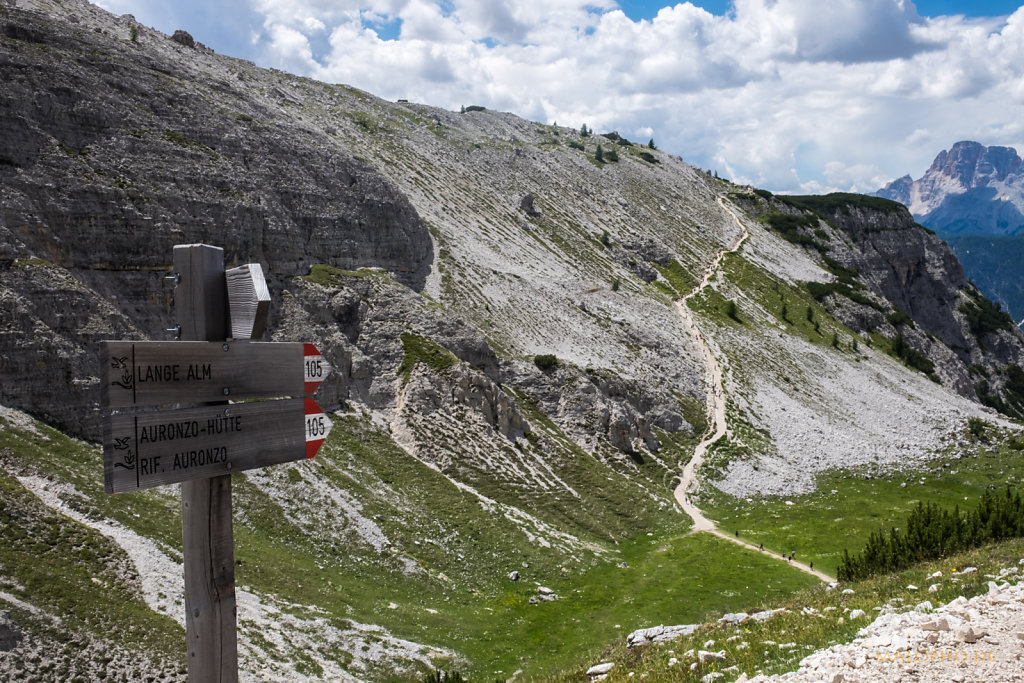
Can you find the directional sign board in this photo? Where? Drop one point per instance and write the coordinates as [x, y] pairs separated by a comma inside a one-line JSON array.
[[158, 373], [143, 450]]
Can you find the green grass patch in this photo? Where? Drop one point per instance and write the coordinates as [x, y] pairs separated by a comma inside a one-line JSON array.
[[840, 202], [744, 442], [32, 262], [812, 622], [76, 573], [848, 506], [665, 288], [678, 277], [422, 350], [666, 580], [788, 304], [329, 276]]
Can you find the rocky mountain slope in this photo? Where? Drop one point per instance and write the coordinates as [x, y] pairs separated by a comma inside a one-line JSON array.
[[973, 197], [514, 391]]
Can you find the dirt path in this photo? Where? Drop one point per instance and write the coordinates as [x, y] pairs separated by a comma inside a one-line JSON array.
[[716, 430]]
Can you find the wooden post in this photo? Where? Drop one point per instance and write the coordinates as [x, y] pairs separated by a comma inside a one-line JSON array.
[[200, 302]]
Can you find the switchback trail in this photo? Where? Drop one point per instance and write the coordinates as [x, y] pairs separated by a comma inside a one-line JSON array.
[[716, 393]]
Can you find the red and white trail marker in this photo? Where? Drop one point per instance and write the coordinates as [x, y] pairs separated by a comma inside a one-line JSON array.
[[318, 426], [316, 368]]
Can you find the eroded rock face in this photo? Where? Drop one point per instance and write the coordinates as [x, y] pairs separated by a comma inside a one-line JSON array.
[[594, 405], [913, 269], [136, 155], [49, 321], [973, 197], [10, 633], [112, 152], [916, 272]]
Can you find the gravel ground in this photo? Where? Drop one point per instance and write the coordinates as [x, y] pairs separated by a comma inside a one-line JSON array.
[[981, 639]]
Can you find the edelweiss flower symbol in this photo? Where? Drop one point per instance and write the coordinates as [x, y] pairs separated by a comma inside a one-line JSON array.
[[127, 379], [129, 457]]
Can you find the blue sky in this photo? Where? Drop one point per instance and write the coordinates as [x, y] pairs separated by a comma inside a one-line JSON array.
[[789, 95]]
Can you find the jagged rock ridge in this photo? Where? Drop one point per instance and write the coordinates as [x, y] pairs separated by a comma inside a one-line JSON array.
[[973, 197]]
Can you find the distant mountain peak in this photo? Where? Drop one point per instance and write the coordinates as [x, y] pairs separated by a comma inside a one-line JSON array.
[[971, 176], [972, 164]]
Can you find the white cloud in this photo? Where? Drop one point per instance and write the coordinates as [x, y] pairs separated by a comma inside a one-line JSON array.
[[785, 94], [314, 25]]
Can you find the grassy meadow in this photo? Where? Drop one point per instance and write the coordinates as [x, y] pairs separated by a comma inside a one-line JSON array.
[[459, 596]]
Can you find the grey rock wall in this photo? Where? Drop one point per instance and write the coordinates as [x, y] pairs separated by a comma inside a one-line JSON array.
[[111, 153]]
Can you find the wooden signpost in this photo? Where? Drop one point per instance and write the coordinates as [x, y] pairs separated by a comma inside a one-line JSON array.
[[169, 421], [148, 373]]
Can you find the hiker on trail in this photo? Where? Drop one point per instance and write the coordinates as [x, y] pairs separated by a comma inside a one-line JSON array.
[[812, 566], [761, 547], [737, 533]]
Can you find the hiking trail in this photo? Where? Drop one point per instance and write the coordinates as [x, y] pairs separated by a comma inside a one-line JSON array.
[[717, 428]]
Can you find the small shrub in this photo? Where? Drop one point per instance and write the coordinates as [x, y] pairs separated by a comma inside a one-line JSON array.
[[912, 357], [599, 154], [364, 121], [845, 274], [732, 310], [649, 158], [576, 145], [440, 676], [616, 284], [985, 317], [611, 156], [133, 33], [978, 428], [545, 361], [763, 194], [790, 228], [898, 317], [473, 107], [606, 239]]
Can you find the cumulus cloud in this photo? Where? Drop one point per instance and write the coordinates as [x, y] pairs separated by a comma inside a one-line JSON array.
[[786, 94]]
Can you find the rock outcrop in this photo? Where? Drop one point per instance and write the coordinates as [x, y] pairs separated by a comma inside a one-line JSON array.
[[973, 197], [895, 277], [111, 153], [917, 273]]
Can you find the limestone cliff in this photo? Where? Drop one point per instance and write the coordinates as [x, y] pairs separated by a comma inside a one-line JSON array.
[[973, 197]]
